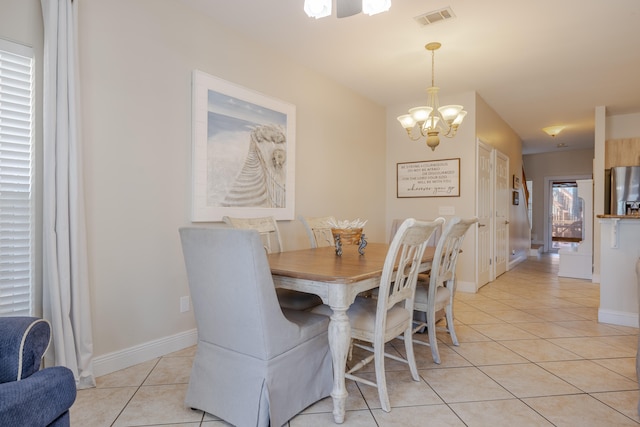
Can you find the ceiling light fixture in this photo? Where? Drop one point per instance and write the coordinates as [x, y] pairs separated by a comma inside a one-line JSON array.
[[321, 8], [431, 119], [552, 131]]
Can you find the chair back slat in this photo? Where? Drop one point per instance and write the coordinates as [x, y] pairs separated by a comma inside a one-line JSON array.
[[406, 250], [319, 230], [266, 226]]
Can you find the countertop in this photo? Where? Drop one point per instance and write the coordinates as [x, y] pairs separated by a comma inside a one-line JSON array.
[[618, 216]]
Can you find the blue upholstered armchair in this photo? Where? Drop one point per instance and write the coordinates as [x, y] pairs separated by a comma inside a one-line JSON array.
[[30, 396]]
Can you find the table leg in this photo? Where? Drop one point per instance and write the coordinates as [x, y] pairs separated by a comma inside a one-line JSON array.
[[339, 341]]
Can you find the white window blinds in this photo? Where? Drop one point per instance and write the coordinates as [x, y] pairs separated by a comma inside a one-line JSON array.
[[16, 92]]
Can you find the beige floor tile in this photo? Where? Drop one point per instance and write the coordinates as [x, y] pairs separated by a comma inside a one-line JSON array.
[[546, 330], [593, 347], [590, 377], [552, 314], [464, 385], [476, 317], [510, 412], [625, 402], [488, 353], [133, 376], [171, 370], [515, 316], [424, 360], [578, 410], [489, 306], [501, 332], [539, 350], [418, 416], [466, 333], [99, 406], [528, 380], [351, 419], [402, 390], [355, 401], [187, 352], [156, 405], [625, 366], [589, 328]]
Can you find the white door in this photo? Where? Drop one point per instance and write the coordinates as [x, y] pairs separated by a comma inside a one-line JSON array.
[[502, 200], [484, 211]]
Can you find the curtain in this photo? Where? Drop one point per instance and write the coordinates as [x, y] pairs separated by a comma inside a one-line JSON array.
[[65, 276]]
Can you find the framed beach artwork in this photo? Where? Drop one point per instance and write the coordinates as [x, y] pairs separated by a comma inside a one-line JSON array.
[[243, 152]]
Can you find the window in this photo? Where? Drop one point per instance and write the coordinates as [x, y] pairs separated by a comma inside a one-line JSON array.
[[16, 201]]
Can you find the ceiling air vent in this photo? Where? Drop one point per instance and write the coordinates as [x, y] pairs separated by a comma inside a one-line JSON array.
[[435, 16]]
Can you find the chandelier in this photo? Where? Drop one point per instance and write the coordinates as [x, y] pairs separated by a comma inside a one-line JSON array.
[[321, 8], [431, 119]]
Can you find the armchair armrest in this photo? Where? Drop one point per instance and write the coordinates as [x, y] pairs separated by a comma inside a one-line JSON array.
[[23, 341], [39, 400]]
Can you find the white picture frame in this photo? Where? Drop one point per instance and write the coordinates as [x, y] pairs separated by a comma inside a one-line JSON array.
[[243, 152]]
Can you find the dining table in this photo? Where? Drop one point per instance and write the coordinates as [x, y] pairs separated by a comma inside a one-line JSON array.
[[337, 280]]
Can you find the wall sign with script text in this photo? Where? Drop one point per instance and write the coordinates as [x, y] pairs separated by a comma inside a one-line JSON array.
[[434, 178]]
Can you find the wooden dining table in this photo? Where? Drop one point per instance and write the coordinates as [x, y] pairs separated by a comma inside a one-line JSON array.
[[337, 280]]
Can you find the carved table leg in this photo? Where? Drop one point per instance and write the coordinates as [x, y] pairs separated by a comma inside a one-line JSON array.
[[339, 340]]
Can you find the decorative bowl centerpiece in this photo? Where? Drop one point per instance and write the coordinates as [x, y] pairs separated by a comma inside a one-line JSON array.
[[348, 233]]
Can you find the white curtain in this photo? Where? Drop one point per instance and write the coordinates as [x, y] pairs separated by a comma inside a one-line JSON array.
[[65, 277]]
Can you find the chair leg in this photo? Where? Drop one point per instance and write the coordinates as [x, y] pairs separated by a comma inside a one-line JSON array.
[[433, 342], [408, 347], [381, 379], [452, 332]]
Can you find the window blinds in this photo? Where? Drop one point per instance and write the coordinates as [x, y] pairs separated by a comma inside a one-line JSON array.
[[16, 92]]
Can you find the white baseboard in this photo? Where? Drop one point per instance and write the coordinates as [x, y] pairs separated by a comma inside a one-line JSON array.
[[595, 278], [618, 318], [516, 261], [122, 359], [468, 287]]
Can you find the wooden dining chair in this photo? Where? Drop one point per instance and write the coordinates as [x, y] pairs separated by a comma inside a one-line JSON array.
[[436, 295], [376, 321], [318, 229], [267, 227]]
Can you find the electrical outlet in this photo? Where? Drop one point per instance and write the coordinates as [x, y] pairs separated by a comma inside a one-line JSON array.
[[184, 304]]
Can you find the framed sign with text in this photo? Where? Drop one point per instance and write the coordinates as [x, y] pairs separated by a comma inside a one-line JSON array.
[[433, 178]]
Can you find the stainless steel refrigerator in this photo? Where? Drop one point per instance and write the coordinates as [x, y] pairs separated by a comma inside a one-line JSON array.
[[625, 190]]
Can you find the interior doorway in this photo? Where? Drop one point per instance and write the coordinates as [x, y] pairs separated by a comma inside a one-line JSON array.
[[563, 212]]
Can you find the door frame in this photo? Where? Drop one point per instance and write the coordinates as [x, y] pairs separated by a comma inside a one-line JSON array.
[[548, 193]]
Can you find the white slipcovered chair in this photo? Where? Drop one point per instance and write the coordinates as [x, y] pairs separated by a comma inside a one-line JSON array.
[[379, 320], [267, 227], [256, 364], [436, 295], [318, 229]]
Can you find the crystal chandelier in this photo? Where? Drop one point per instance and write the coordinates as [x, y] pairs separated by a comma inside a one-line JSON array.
[[433, 120], [321, 8]]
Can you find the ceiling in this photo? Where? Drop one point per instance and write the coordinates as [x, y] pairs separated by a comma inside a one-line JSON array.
[[536, 63]]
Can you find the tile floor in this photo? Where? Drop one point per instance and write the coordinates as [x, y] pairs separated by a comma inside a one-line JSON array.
[[531, 354]]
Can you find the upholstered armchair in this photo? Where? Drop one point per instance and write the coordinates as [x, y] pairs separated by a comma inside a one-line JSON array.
[[30, 396], [256, 364]]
